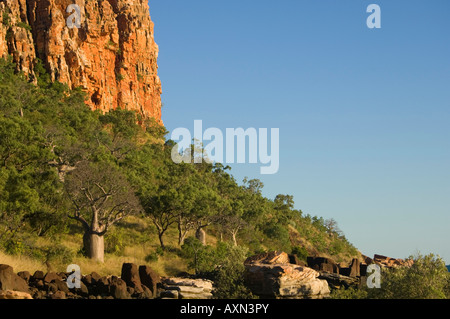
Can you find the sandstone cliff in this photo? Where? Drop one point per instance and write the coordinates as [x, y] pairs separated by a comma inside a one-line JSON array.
[[112, 55]]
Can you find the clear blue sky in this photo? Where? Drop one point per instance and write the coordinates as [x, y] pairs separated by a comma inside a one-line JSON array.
[[363, 113]]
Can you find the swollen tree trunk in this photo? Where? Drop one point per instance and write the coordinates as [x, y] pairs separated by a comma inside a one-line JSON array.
[[201, 235], [94, 245], [94, 240]]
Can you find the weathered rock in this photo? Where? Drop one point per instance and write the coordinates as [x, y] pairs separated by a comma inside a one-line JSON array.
[[51, 277], [10, 294], [82, 291], [337, 281], [185, 288], [58, 295], [130, 274], [95, 277], [204, 284], [146, 294], [169, 294], [10, 281], [112, 56], [62, 275], [51, 287], [363, 269], [102, 286], [391, 262], [344, 271], [118, 288], [355, 268], [293, 259], [38, 275], [273, 257], [25, 275], [149, 278], [87, 280], [285, 281], [322, 264], [62, 286], [39, 284], [39, 294]]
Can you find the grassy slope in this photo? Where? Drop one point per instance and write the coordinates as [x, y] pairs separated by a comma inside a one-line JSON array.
[[135, 239]]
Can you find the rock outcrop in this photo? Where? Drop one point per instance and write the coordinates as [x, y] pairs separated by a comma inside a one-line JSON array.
[[53, 285], [271, 275], [389, 262], [112, 55], [10, 281], [185, 288], [10, 294]]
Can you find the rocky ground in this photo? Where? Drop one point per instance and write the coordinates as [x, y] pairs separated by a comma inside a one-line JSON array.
[[268, 275]]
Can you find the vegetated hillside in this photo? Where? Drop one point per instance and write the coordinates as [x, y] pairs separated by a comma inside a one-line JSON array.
[[79, 186]]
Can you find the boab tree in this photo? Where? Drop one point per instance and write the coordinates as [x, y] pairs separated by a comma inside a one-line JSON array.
[[101, 196]]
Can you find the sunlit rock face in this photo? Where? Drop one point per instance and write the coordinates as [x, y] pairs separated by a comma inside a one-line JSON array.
[[111, 53]]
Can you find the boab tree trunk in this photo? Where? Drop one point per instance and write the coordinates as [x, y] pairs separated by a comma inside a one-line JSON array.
[[200, 234], [101, 196], [94, 245]]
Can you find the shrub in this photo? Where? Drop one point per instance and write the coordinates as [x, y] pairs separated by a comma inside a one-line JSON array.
[[428, 278], [59, 254], [152, 257], [114, 243], [350, 293], [24, 26], [14, 247], [223, 264], [301, 252]]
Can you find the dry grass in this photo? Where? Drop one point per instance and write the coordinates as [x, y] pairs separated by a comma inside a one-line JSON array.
[[21, 263]]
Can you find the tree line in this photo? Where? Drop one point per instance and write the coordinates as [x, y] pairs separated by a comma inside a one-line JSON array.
[[63, 163]]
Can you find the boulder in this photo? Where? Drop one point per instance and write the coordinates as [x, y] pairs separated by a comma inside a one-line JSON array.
[[101, 286], [95, 277], [169, 294], [130, 274], [363, 269], [273, 257], [118, 288], [10, 281], [10, 294], [62, 286], [58, 295], [51, 277], [285, 281], [51, 287], [149, 278], [146, 294], [322, 264], [389, 262], [344, 271], [293, 259], [337, 281], [38, 275], [82, 291], [355, 268], [25, 275], [186, 288]]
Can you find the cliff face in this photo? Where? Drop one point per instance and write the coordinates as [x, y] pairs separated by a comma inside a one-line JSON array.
[[112, 55]]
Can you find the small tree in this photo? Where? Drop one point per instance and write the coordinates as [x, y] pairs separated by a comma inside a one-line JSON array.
[[427, 278], [101, 196]]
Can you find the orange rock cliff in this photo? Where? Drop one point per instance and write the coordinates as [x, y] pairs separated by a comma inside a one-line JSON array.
[[110, 51]]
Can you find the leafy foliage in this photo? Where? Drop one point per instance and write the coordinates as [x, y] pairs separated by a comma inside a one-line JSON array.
[[54, 150]]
